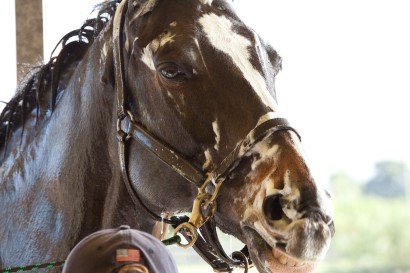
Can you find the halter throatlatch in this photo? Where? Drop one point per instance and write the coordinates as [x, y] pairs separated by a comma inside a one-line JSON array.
[[206, 241]]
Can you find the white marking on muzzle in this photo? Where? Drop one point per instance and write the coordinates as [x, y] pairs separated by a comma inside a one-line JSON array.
[[265, 153], [219, 31]]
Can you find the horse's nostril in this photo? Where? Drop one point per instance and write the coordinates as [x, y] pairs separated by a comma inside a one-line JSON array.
[[272, 207]]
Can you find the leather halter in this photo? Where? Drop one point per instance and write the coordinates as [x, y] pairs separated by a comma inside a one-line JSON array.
[[207, 243]]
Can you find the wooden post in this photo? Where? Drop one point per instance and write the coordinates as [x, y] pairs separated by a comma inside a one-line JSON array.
[[29, 35]]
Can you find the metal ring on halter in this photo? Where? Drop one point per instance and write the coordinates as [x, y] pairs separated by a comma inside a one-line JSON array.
[[203, 209], [188, 230], [243, 259], [125, 135]]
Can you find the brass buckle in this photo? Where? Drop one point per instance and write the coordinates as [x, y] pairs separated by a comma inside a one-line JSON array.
[[203, 209]]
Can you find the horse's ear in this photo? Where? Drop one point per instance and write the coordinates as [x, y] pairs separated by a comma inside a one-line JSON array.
[[141, 7]]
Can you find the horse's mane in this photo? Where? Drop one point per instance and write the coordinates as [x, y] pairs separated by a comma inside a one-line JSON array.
[[40, 88]]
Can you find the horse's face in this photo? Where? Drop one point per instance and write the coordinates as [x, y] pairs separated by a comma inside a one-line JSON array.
[[201, 80]]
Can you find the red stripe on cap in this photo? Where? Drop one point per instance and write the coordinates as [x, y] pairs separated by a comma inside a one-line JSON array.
[[128, 255]]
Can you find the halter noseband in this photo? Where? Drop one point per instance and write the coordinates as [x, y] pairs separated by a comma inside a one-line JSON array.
[[206, 242]]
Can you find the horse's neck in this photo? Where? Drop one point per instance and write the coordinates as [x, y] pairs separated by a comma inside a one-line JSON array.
[[83, 129], [93, 99], [63, 177]]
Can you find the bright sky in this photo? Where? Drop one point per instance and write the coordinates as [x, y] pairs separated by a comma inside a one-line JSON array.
[[345, 81]]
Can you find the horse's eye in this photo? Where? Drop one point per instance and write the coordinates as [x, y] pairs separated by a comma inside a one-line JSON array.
[[172, 72]]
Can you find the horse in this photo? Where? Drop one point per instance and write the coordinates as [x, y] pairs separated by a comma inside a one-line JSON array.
[[153, 108]]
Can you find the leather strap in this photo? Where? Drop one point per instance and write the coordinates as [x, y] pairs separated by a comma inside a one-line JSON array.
[[118, 22], [266, 128], [166, 154], [186, 169], [218, 258]]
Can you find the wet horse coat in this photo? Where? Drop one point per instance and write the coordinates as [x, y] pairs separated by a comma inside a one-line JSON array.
[[199, 80]]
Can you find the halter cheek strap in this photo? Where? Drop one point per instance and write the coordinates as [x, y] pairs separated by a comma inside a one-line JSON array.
[[118, 22], [206, 243]]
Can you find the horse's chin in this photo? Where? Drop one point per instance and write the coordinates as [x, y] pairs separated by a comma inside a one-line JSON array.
[[271, 259]]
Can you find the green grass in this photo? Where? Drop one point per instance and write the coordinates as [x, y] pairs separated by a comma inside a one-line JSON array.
[[372, 235]]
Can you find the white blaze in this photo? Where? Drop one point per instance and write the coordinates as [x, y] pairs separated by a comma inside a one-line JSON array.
[[219, 31]]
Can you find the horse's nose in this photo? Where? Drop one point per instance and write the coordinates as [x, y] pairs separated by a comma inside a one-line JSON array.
[[273, 210], [272, 207], [318, 216]]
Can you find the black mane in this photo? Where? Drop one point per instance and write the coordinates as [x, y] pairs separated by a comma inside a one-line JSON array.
[[41, 87]]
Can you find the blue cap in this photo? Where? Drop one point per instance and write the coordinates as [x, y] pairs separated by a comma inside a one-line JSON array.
[[107, 250]]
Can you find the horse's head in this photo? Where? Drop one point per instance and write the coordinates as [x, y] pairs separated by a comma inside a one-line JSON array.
[[201, 80]]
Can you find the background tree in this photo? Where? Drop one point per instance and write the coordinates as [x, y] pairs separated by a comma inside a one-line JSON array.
[[389, 181]]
